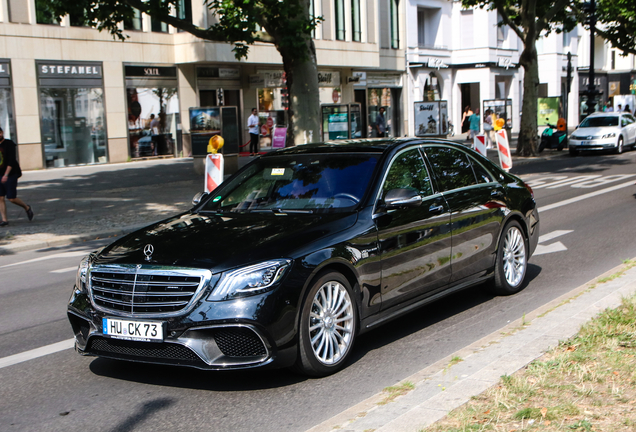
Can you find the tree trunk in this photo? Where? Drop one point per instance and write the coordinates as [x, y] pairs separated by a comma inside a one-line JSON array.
[[304, 98], [527, 141]]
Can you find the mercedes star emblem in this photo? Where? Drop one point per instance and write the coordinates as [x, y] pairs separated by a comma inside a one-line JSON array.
[[148, 251]]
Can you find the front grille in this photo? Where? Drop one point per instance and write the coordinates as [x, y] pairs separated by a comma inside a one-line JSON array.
[[239, 342], [144, 291], [141, 350]]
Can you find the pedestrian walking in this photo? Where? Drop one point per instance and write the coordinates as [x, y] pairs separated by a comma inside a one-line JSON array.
[[380, 123], [488, 128], [466, 120], [475, 120], [10, 172], [252, 125], [627, 110]]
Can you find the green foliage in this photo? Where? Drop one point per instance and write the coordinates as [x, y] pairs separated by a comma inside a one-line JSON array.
[[617, 19], [285, 23]]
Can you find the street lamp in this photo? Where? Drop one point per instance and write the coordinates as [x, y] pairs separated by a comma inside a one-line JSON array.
[[590, 9]]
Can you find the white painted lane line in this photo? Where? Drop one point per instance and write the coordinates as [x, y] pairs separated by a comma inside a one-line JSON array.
[[48, 257], [65, 270], [584, 197], [35, 353], [552, 235]]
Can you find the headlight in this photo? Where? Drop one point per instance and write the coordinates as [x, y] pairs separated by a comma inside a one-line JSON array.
[[250, 280], [609, 135], [82, 270]]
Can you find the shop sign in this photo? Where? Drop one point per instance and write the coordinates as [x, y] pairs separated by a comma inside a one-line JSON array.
[[257, 81], [66, 70], [4, 69], [216, 72], [328, 79], [505, 62], [436, 63], [614, 88], [427, 117], [151, 71], [384, 80], [273, 78], [358, 78]]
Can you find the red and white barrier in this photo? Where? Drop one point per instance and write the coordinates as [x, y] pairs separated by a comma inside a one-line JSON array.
[[505, 159], [213, 171], [480, 145]]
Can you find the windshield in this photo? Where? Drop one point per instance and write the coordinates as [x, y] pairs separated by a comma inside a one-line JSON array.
[[599, 121], [301, 183]]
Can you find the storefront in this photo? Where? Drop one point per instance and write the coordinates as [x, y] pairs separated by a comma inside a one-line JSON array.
[[153, 110], [7, 119], [73, 124], [380, 90]]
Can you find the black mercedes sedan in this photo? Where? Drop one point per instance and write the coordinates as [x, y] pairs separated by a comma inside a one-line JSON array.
[[301, 251]]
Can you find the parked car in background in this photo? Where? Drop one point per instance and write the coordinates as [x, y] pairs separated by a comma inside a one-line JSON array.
[[604, 131], [302, 250]]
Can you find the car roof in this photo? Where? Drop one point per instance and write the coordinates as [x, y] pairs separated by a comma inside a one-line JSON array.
[[606, 114], [370, 145]]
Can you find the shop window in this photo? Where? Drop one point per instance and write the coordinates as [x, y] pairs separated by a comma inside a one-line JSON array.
[[6, 113], [340, 19], [153, 114], [432, 90], [44, 12], [73, 126], [502, 32], [395, 21], [356, 31], [134, 22], [379, 98]]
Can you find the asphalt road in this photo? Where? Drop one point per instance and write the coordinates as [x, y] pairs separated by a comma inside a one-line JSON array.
[[586, 229]]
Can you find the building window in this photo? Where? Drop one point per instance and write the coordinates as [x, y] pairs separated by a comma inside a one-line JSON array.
[[613, 60], [134, 22], [77, 20], [501, 32], [340, 20], [158, 26], [184, 10], [395, 21], [355, 21], [44, 13], [468, 35]]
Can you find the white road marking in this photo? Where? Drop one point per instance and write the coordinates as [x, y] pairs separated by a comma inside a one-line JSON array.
[[551, 248], [65, 270], [48, 257], [35, 353], [584, 197]]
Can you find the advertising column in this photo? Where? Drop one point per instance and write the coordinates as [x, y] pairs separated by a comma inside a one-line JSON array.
[[7, 120], [73, 124], [153, 110]]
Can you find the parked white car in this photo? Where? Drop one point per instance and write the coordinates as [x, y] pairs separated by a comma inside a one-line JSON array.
[[604, 131]]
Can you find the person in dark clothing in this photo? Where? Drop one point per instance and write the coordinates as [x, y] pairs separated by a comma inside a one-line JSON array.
[[10, 172]]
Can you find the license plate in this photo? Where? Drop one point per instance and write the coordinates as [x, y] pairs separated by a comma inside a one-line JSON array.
[[588, 142], [132, 330]]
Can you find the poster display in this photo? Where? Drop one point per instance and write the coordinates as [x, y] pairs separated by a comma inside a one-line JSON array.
[[548, 111], [431, 118], [502, 108]]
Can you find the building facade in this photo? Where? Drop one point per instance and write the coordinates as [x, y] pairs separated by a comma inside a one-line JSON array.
[[70, 95]]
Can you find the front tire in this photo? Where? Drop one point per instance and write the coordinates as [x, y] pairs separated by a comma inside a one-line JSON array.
[[512, 260], [619, 147], [328, 326]]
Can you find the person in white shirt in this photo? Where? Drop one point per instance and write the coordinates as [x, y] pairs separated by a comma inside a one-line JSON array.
[[252, 125]]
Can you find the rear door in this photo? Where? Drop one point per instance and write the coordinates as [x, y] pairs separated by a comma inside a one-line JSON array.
[[477, 207], [415, 242]]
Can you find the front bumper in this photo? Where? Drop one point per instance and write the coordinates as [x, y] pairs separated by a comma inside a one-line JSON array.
[[237, 334], [595, 144]]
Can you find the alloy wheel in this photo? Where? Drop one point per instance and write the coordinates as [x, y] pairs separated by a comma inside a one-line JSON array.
[[514, 257], [331, 323]]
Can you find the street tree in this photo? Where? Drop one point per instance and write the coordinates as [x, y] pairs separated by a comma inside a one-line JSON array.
[[287, 24], [616, 23], [530, 19]]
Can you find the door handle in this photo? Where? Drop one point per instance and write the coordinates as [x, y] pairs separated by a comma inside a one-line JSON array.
[[436, 209]]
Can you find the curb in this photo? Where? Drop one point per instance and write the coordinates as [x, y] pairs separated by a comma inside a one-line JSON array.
[[503, 352]]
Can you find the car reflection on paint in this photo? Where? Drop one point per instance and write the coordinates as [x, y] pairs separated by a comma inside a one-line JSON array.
[[301, 251]]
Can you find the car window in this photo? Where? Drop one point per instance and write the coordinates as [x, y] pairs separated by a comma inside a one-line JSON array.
[[630, 118], [451, 167], [483, 176], [624, 121], [627, 119], [599, 121], [408, 171], [311, 182]]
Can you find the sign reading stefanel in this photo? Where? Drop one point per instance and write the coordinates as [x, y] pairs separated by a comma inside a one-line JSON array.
[[60, 70]]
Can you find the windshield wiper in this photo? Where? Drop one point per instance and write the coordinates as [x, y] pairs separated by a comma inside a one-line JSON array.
[[281, 211]]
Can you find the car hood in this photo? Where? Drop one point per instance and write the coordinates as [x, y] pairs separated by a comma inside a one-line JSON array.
[[594, 131], [223, 241]]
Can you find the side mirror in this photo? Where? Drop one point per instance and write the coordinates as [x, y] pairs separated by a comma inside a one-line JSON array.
[[401, 197], [198, 198]]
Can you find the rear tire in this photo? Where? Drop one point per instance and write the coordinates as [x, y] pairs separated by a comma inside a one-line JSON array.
[[512, 260], [328, 326]]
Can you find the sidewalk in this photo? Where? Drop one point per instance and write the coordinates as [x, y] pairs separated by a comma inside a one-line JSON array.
[[77, 204]]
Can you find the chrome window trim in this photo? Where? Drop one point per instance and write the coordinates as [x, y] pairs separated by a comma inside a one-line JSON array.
[[386, 173], [204, 280]]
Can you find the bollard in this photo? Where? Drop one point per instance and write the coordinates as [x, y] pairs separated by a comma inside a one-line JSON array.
[[505, 159], [213, 164]]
